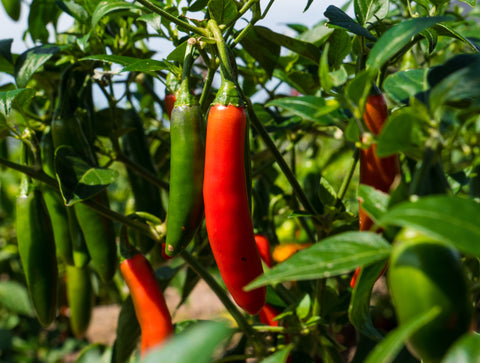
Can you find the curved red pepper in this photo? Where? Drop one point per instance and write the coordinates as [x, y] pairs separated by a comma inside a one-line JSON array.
[[150, 307], [227, 213]]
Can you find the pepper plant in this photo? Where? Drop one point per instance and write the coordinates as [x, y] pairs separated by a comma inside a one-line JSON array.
[[273, 138]]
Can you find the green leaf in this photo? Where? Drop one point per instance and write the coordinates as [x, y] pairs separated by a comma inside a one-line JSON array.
[[280, 356], [12, 8], [93, 353], [222, 11], [466, 350], [397, 38], [198, 5], [196, 344], [308, 107], [31, 60], [337, 17], [264, 51], [462, 85], [148, 65], [5, 49], [368, 11], [388, 348], [357, 92], [359, 308], [374, 202], [300, 47], [128, 333], [118, 59], [403, 132], [400, 86], [16, 99], [106, 7], [332, 256], [75, 10], [450, 219], [14, 297], [77, 179], [42, 13], [472, 3], [445, 30]]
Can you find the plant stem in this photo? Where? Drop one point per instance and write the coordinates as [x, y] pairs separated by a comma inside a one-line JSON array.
[[156, 9], [225, 65], [220, 292], [279, 158], [206, 89], [346, 182]]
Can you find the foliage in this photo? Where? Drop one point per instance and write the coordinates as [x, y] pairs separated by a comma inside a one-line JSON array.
[[305, 95]]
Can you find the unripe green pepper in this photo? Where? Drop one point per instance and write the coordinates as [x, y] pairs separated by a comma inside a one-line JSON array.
[[80, 299], [80, 254], [36, 247], [55, 205], [185, 203], [97, 230]]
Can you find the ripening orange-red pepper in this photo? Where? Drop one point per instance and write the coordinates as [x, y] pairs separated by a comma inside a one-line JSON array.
[[374, 171], [150, 306], [227, 214]]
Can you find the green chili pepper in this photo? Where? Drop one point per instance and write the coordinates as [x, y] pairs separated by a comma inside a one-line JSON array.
[[36, 247], [147, 196], [80, 299], [185, 203], [80, 254], [98, 230], [55, 205]]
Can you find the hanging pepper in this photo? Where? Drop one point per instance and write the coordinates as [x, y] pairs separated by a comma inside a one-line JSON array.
[[187, 157], [148, 301], [375, 171], [227, 213], [80, 299], [36, 247]]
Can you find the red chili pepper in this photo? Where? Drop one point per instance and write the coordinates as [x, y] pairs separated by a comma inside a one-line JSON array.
[[374, 171], [263, 246], [227, 213], [150, 307]]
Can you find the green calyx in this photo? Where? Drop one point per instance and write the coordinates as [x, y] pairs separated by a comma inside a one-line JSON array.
[[184, 96], [228, 94]]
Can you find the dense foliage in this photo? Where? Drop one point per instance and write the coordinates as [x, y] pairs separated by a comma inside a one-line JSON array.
[[85, 120]]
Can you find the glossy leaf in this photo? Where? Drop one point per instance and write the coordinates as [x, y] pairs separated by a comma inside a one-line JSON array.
[[368, 11], [337, 17], [357, 92], [388, 348], [5, 49], [398, 37], [196, 344], [74, 10], [31, 60], [12, 8], [300, 47], [308, 107], [106, 7], [119, 59], [223, 11], [332, 256], [14, 297], [359, 308], [41, 14], [450, 219], [147, 65], [400, 86], [264, 51], [403, 132], [16, 99], [77, 179], [374, 202], [466, 350]]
